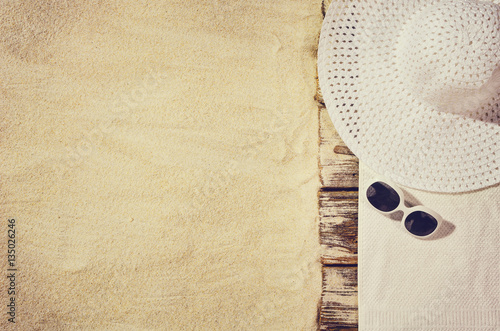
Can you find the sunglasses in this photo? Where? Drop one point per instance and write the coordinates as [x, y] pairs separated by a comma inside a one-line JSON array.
[[386, 198]]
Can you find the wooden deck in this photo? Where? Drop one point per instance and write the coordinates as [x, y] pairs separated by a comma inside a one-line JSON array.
[[338, 209]]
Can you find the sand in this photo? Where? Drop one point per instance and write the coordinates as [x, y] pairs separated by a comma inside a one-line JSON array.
[[160, 161]]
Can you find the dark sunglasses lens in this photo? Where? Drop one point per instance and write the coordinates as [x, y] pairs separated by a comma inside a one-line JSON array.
[[420, 223], [383, 197]]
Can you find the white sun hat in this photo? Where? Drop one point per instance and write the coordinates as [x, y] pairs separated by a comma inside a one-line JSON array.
[[413, 88]]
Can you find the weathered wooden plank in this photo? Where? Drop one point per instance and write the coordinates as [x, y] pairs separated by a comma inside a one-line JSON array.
[[338, 224], [338, 212], [338, 166], [339, 303]]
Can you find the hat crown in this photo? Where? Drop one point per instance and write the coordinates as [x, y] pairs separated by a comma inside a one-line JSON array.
[[448, 52], [382, 66]]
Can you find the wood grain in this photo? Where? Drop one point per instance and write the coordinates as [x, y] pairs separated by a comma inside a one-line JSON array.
[[339, 226], [340, 301], [338, 210], [338, 166]]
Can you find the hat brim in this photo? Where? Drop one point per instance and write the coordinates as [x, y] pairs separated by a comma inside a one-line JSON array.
[[396, 135]]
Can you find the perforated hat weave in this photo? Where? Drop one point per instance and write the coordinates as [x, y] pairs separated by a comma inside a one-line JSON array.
[[413, 88]]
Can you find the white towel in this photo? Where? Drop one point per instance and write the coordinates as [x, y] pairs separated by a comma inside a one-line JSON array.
[[451, 283]]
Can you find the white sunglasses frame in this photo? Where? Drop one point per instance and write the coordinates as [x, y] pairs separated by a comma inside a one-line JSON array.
[[402, 207]]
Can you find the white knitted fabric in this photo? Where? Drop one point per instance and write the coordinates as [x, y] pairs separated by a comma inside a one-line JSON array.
[[413, 90], [450, 283]]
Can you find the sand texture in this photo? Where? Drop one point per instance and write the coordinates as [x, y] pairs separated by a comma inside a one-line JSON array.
[[160, 161]]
